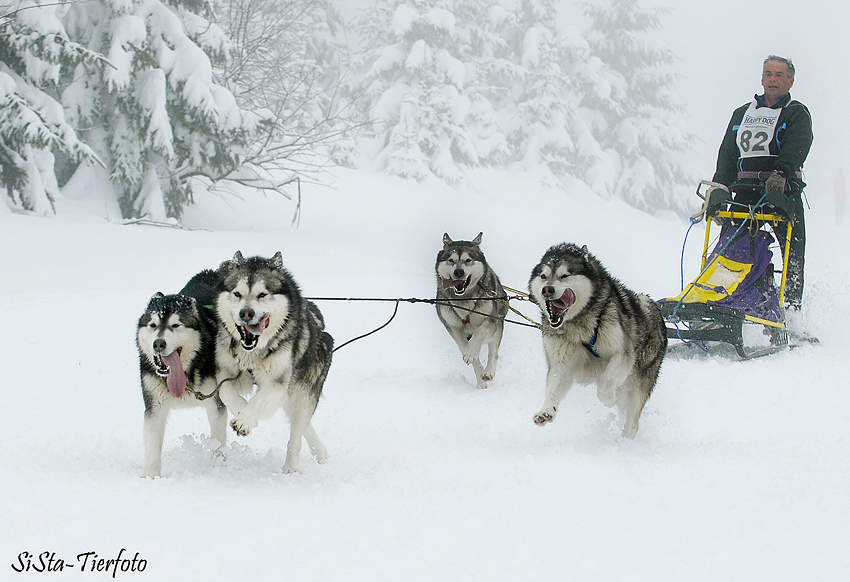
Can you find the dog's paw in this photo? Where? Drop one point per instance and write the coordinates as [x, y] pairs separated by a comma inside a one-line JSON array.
[[488, 376], [607, 396], [542, 418], [289, 470], [630, 430], [321, 454], [151, 470], [470, 354], [240, 427]]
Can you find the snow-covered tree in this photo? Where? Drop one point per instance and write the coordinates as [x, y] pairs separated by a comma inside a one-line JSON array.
[[288, 60], [629, 97], [420, 89], [536, 73], [34, 50], [155, 115]]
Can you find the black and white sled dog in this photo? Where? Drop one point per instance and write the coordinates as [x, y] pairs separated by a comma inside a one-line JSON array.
[[176, 340], [272, 337], [466, 292], [595, 330]]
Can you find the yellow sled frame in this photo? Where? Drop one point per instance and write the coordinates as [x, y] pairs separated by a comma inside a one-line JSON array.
[[776, 220]]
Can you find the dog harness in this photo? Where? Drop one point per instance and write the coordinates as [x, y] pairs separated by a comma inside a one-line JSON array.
[[465, 320], [591, 345]]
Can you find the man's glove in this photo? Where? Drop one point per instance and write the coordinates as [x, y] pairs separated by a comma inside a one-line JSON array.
[[775, 183]]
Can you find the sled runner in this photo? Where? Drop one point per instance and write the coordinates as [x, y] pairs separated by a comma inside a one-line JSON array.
[[736, 298]]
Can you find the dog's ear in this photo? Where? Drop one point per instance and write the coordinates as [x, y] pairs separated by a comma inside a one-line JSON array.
[[447, 240], [477, 240], [584, 251], [189, 303], [276, 262], [153, 302], [226, 266]]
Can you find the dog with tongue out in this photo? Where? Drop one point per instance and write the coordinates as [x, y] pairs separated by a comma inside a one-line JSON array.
[[176, 342], [595, 331], [471, 303]]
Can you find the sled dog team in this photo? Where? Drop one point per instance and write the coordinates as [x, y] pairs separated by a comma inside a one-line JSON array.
[[246, 324]]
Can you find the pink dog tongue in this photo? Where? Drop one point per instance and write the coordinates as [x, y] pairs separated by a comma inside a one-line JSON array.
[[176, 380], [261, 326], [567, 299]]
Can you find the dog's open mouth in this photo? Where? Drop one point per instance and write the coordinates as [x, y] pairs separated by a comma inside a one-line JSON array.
[[556, 308], [459, 286], [171, 368], [249, 334]]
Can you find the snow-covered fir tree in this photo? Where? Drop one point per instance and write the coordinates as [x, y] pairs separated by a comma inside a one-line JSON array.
[[634, 110], [34, 50], [540, 95], [420, 90], [453, 84], [155, 116], [446, 85]]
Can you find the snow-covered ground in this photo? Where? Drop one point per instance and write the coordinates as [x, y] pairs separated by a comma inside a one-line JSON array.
[[740, 471]]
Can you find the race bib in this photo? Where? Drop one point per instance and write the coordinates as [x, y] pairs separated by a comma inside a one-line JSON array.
[[756, 131]]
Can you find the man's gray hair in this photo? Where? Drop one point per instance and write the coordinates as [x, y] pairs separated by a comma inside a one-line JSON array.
[[788, 62]]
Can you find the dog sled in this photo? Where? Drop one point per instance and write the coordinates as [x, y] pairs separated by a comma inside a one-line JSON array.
[[738, 296]]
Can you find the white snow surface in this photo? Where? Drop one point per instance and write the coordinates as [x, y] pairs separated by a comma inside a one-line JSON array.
[[739, 471]]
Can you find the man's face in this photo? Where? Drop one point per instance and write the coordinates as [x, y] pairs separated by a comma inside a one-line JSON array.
[[775, 80]]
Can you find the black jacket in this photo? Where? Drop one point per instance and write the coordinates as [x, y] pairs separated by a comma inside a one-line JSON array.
[[790, 144]]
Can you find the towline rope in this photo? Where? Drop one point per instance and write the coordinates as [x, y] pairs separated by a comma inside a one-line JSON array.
[[444, 302]]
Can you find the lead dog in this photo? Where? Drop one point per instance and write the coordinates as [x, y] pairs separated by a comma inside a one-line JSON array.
[[176, 341], [272, 337], [595, 330], [466, 292]]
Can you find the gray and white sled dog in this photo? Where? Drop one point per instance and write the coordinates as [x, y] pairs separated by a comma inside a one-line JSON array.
[[466, 291], [272, 337], [176, 340], [595, 330]]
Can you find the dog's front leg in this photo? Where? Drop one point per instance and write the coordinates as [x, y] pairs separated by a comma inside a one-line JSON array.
[[217, 415], [155, 419], [463, 344], [461, 340], [269, 396], [559, 379], [481, 335], [232, 388]]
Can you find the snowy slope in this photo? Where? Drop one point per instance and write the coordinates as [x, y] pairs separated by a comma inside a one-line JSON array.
[[739, 472]]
